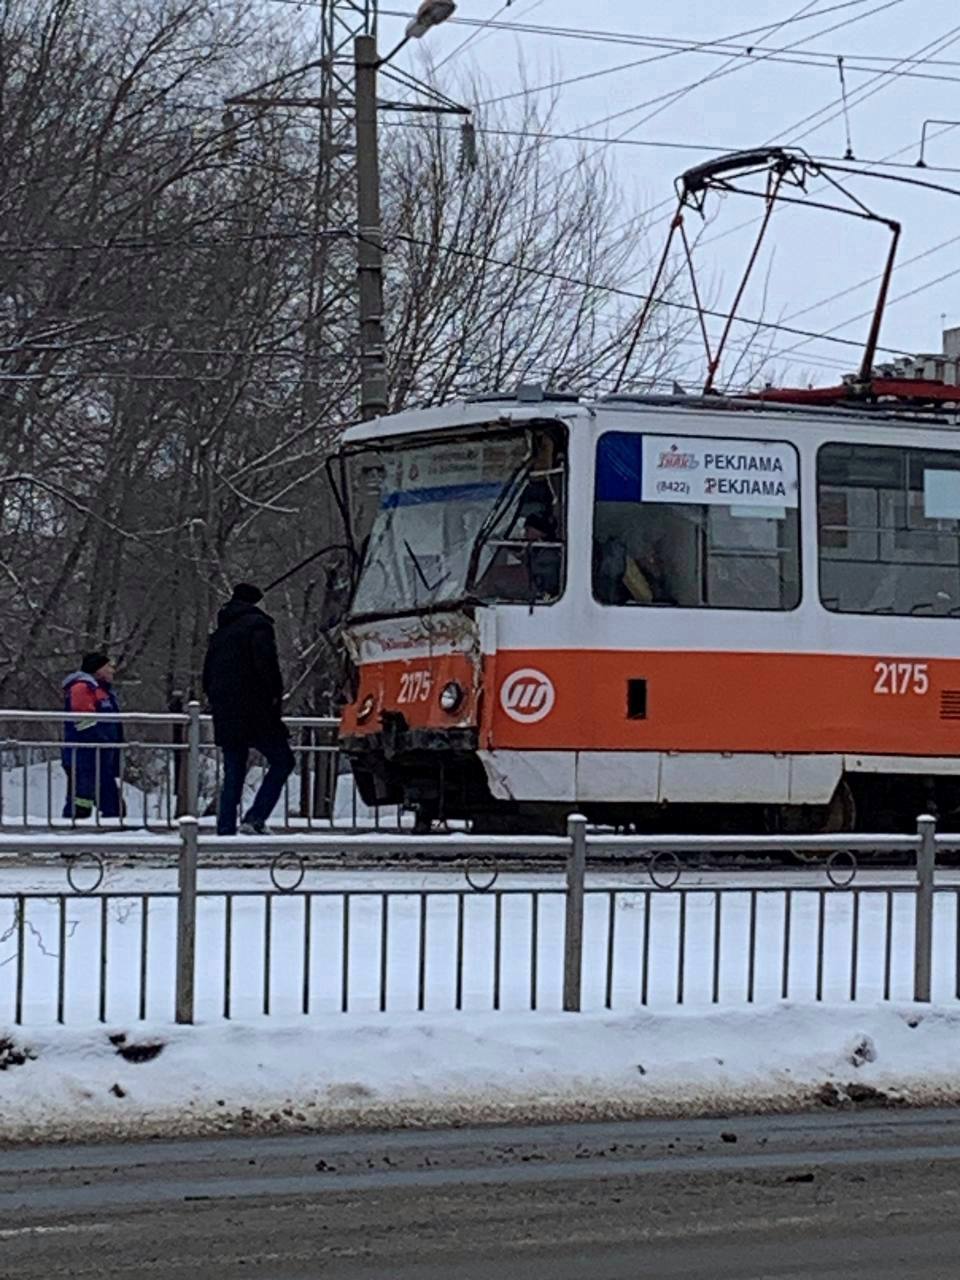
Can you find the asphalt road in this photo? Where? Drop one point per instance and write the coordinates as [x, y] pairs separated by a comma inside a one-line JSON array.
[[828, 1196]]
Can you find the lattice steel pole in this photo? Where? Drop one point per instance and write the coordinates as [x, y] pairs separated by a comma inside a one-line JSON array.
[[336, 306], [373, 372]]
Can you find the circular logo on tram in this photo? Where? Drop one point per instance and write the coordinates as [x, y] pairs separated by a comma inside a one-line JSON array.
[[528, 695]]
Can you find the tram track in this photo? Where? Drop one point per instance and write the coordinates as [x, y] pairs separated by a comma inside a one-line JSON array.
[[483, 866]]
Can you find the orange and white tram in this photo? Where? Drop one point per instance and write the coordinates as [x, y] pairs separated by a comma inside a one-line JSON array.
[[672, 611]]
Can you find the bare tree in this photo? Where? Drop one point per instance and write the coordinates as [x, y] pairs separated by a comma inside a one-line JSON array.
[[514, 270], [166, 413]]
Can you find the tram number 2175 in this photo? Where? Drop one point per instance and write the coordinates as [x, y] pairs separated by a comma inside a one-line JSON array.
[[901, 678], [415, 686]]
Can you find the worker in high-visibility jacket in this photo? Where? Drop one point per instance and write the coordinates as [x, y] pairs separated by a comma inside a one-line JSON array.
[[91, 752]]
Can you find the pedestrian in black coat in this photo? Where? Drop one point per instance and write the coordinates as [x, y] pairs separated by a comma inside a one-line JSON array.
[[243, 684]]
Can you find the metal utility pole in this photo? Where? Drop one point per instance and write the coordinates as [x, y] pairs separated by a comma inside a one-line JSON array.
[[367, 62], [347, 189], [373, 370]]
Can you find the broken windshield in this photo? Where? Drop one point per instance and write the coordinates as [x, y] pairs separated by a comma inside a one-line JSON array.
[[435, 501]]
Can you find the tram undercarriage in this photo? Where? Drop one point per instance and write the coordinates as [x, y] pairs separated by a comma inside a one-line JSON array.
[[441, 782]]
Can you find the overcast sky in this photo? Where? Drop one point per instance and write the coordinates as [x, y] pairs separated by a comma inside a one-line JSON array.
[[754, 100]]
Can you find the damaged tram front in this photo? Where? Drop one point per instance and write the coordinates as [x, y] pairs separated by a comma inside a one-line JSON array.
[[468, 527]]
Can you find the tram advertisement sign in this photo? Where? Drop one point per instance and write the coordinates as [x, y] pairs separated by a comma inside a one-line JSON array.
[[755, 473]]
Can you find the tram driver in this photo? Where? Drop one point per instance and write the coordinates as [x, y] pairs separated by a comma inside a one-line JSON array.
[[526, 567]]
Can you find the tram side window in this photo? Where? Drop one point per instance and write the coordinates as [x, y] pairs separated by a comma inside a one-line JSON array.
[[696, 543], [889, 522]]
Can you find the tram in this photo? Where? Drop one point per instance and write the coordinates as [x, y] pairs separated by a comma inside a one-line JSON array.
[[676, 612], [658, 610]]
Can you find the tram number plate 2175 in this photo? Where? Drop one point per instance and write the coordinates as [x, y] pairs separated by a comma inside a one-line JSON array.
[[901, 678], [415, 686]]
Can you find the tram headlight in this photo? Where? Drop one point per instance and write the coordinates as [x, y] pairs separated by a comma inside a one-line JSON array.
[[365, 709], [451, 696]]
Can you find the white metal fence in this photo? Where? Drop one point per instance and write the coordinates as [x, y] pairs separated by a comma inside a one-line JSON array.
[[170, 767], [624, 925]]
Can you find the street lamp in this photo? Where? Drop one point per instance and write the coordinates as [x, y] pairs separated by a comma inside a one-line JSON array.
[[430, 14]]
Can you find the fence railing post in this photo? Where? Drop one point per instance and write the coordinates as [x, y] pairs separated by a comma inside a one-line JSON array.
[[193, 759], [175, 705], [187, 920], [923, 923], [573, 916]]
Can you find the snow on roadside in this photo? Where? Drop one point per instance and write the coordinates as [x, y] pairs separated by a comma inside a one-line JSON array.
[[400, 1069]]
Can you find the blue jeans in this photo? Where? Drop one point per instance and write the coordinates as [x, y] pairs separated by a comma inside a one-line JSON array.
[[86, 793], [280, 763]]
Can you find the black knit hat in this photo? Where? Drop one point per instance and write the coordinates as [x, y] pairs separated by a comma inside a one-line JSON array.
[[247, 592], [92, 662]]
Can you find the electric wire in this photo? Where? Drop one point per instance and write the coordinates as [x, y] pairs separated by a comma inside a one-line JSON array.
[[811, 59], [619, 291], [661, 102], [483, 25]]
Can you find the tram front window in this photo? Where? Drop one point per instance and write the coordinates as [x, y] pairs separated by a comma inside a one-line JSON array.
[[889, 522], [478, 518], [696, 523]]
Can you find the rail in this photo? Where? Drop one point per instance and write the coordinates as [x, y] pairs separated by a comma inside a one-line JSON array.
[[625, 924], [169, 767]]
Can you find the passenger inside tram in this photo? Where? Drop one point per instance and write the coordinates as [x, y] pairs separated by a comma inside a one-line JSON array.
[[694, 557], [634, 574]]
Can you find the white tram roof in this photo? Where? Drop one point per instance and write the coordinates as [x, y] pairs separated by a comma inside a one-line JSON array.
[[532, 404]]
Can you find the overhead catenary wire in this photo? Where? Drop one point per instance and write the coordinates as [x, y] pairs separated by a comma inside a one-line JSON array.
[[717, 47], [619, 291], [810, 59], [661, 102], [535, 135], [144, 244], [664, 101], [481, 25], [562, 277], [806, 119], [867, 164], [662, 144], [862, 284], [751, 322], [951, 37], [877, 84], [821, 359], [578, 33], [767, 325], [862, 315]]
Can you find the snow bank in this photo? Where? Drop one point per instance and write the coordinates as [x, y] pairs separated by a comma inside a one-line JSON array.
[[336, 1072]]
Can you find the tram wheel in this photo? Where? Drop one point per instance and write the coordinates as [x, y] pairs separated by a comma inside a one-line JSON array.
[[816, 819]]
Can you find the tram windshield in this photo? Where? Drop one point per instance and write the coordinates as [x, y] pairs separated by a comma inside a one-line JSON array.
[[478, 517]]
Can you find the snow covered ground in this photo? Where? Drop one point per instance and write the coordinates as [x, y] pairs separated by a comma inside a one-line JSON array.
[[441, 1065], [409, 1069]]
